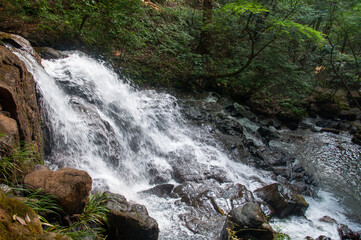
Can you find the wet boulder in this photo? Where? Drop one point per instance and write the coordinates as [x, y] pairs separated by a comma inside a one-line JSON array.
[[49, 53], [161, 190], [236, 194], [247, 222], [70, 186], [283, 200], [327, 219], [128, 221], [268, 133], [322, 237], [346, 233]]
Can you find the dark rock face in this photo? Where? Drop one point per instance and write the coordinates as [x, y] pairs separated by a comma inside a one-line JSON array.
[[49, 53], [247, 222], [349, 115], [17, 92], [70, 186], [357, 138], [283, 200], [129, 221], [325, 107], [290, 119]]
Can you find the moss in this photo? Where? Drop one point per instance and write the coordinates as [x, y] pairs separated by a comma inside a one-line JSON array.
[[11, 229], [301, 200]]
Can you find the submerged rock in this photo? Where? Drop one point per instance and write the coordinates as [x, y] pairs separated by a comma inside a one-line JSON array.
[[247, 222], [70, 186], [129, 221], [283, 200], [161, 190]]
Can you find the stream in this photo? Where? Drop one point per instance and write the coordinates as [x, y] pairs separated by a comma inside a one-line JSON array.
[[132, 140]]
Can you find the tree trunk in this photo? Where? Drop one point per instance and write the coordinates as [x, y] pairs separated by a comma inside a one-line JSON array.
[[205, 41]]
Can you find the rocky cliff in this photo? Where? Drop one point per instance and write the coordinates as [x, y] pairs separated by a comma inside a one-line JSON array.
[[19, 113]]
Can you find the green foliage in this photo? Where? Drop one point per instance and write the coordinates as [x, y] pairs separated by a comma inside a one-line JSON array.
[[282, 236], [42, 203], [241, 6], [17, 163], [277, 45], [290, 28], [87, 224]]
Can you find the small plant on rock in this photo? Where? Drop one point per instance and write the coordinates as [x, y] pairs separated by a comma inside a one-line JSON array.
[[87, 224]]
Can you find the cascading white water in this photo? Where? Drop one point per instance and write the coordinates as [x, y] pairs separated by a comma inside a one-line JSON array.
[[129, 140]]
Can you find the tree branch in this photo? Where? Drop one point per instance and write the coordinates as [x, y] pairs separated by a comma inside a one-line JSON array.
[[339, 75]]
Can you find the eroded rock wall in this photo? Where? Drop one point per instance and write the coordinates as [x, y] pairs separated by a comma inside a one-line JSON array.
[[18, 97]]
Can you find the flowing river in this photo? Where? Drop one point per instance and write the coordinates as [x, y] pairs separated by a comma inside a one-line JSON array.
[[131, 140]]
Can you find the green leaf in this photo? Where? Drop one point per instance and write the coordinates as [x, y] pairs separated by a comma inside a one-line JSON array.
[[240, 7]]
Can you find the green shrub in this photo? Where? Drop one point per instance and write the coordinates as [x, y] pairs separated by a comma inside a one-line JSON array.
[[14, 166], [87, 224]]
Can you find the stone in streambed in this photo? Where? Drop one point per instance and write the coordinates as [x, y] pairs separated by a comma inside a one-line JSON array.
[[283, 200], [327, 219], [247, 222], [322, 237], [161, 190], [129, 221], [70, 186], [346, 233]]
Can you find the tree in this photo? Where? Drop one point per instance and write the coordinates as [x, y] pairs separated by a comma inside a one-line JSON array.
[[205, 41], [261, 26]]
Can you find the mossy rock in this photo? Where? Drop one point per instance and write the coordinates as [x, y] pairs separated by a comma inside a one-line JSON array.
[[19, 222]]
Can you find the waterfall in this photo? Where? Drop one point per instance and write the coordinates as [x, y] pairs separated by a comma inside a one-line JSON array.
[[130, 140]]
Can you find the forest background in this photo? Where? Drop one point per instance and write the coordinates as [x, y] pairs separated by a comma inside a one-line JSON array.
[[276, 55]]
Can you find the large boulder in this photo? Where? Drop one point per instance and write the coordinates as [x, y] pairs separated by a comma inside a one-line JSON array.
[[247, 222], [129, 221], [17, 91], [18, 221], [70, 186], [283, 200]]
